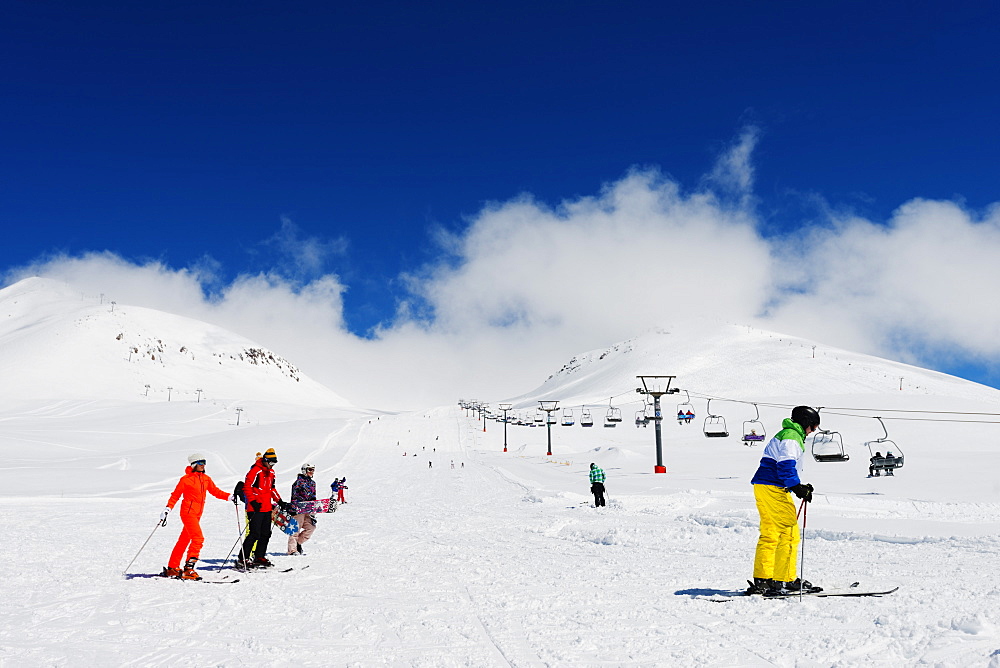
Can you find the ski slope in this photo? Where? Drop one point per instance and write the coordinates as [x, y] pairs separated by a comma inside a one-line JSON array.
[[502, 562]]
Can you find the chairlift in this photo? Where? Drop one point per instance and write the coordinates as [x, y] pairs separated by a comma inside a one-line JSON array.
[[715, 425], [753, 430], [640, 418], [613, 417], [539, 415], [567, 417], [828, 446], [890, 461], [585, 419], [685, 411]]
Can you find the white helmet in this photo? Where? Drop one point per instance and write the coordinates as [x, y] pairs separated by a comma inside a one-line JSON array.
[[308, 467], [195, 457]]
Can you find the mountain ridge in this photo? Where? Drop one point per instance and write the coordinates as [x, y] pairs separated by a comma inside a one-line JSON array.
[[130, 352]]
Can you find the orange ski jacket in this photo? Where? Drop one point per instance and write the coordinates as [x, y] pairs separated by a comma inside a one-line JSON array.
[[259, 486], [194, 487]]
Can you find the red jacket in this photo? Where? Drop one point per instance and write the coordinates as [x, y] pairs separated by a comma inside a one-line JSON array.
[[194, 487], [259, 486]]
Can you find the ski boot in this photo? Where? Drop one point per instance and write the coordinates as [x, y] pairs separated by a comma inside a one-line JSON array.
[[243, 564], [169, 572], [799, 584], [299, 548], [760, 586], [189, 572], [262, 562]]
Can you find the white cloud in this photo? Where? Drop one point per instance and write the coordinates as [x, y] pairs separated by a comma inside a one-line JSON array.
[[922, 284], [525, 286], [303, 256]]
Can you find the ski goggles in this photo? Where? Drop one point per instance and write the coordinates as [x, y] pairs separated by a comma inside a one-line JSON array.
[[200, 462]]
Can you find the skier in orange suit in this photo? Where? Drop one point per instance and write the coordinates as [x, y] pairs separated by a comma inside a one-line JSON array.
[[194, 486]]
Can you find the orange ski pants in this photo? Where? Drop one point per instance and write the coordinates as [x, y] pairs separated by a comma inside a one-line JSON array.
[[191, 539], [779, 534]]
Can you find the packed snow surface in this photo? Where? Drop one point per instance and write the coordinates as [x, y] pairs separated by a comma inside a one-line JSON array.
[[454, 552]]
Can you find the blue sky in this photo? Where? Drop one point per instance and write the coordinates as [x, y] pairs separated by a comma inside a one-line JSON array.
[[366, 140]]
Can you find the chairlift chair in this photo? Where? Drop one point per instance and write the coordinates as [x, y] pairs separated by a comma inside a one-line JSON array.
[[828, 446], [585, 418], [640, 418], [753, 430], [685, 411], [539, 415], [891, 460], [715, 425], [567, 417]]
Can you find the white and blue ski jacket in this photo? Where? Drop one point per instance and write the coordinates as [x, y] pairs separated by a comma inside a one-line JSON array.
[[779, 465]]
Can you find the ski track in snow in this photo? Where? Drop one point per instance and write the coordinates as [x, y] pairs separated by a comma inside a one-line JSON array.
[[488, 565]]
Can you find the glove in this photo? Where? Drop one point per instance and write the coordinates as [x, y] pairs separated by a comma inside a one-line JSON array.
[[287, 507], [255, 505], [233, 498], [804, 492], [163, 516]]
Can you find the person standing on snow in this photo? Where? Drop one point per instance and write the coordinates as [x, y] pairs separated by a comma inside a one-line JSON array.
[[341, 486], [597, 484], [194, 486], [777, 475], [303, 500], [261, 496]]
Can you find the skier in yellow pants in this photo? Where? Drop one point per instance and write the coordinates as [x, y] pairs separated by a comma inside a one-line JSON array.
[[777, 475]]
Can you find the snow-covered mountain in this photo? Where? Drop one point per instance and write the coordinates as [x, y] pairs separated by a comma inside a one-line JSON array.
[[744, 364], [58, 343]]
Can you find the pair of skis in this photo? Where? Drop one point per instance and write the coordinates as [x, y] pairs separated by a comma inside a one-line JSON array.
[[855, 590], [222, 581], [270, 569]]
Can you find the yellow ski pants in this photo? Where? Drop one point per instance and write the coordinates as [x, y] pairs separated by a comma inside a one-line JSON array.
[[779, 534]]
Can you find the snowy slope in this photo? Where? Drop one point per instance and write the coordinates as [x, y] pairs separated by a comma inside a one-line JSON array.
[[56, 343], [745, 364], [502, 560]]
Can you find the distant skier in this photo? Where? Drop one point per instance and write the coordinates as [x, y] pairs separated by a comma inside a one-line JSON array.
[[261, 496], [597, 485], [303, 499], [337, 488], [890, 459], [777, 475], [872, 471], [194, 486]]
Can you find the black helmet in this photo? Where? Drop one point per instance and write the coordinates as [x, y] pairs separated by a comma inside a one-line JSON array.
[[805, 416]]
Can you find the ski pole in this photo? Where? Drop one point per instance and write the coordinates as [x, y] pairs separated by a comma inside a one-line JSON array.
[[242, 531], [802, 562], [159, 523]]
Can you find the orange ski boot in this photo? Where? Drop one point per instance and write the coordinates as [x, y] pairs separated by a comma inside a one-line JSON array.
[[189, 572]]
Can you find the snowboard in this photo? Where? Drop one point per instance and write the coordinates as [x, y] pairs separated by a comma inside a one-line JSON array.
[[318, 506], [284, 521]]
